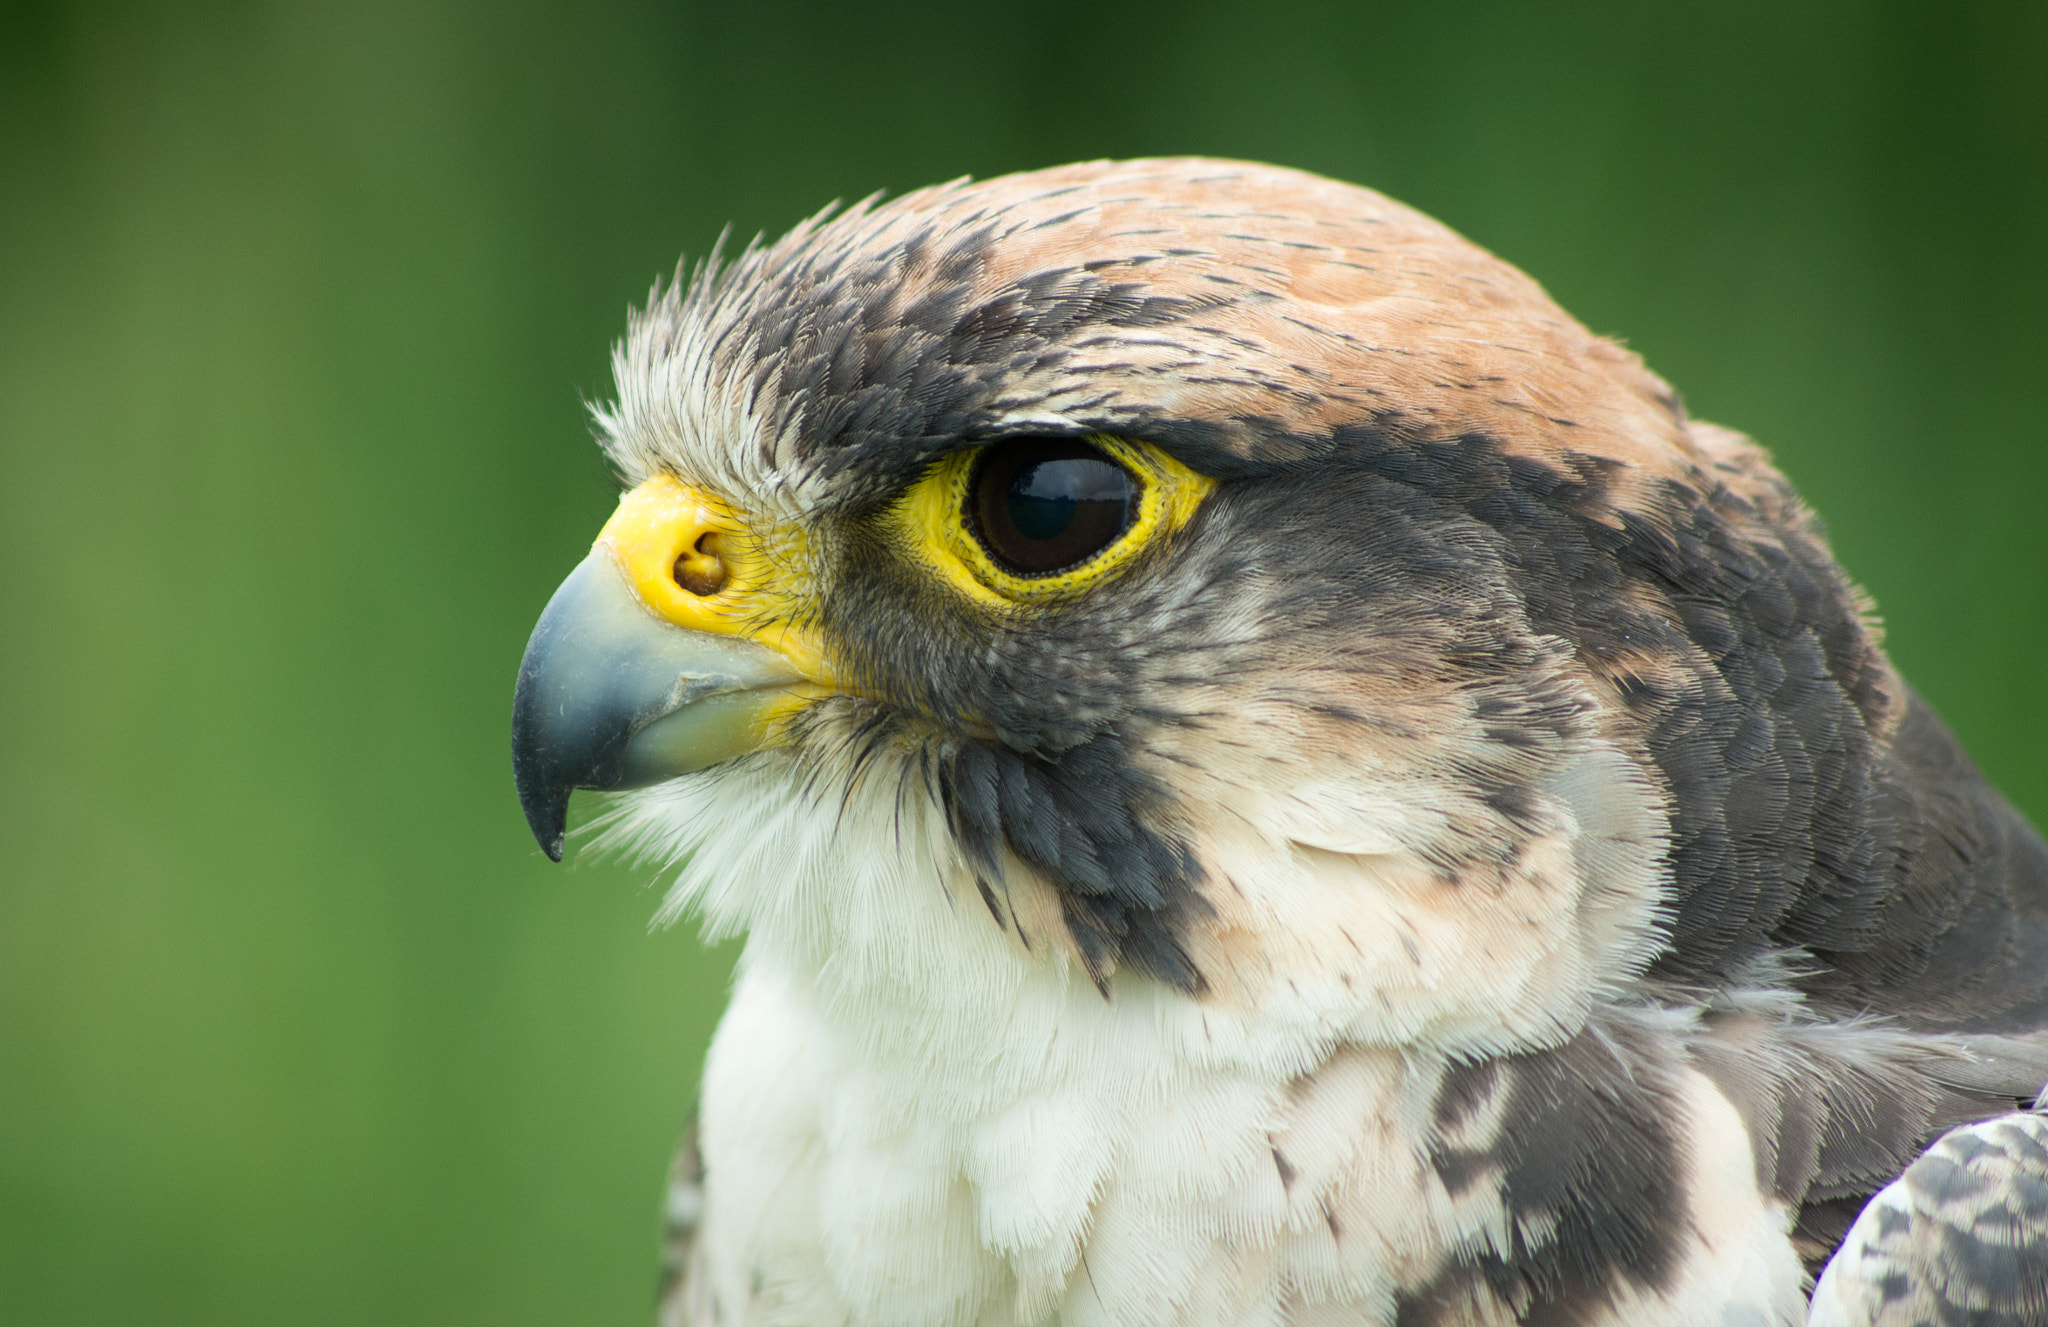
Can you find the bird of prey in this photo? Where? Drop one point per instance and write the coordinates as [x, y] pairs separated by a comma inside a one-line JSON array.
[[1270, 776]]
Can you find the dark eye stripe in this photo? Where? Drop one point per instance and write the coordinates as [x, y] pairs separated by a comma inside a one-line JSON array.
[[1042, 505]]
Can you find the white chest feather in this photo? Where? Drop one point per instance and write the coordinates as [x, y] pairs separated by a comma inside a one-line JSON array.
[[1091, 1162], [910, 1116]]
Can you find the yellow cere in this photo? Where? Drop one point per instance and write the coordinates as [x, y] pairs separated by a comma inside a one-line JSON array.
[[930, 522], [662, 521]]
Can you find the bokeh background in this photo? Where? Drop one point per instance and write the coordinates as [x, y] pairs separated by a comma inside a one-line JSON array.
[[300, 304]]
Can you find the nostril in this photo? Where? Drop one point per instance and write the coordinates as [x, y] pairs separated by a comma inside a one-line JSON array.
[[702, 570]]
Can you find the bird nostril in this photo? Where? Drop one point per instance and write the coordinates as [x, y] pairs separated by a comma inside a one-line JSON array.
[[701, 570]]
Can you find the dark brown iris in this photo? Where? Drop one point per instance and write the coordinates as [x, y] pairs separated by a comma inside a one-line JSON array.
[[1042, 505]]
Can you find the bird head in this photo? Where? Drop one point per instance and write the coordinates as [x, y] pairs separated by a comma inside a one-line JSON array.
[[1198, 573]]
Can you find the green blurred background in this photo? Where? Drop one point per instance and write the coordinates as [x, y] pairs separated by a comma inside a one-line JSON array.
[[299, 306]]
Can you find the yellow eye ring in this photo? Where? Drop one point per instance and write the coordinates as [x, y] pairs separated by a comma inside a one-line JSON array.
[[934, 523]]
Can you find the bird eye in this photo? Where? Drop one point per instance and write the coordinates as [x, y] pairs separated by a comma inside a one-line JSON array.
[[1041, 505]]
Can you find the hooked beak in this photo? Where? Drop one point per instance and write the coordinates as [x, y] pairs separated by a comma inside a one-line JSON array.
[[645, 665]]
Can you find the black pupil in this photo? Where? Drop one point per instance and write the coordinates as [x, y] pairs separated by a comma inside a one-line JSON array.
[[1042, 505]]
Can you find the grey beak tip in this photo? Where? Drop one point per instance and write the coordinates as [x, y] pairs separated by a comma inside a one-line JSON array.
[[547, 815], [543, 796]]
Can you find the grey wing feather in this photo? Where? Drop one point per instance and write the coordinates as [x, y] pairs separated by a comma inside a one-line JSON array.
[[1959, 942], [1957, 952], [1961, 1237]]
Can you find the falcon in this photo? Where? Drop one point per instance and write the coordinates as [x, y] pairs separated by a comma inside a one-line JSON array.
[[1270, 776]]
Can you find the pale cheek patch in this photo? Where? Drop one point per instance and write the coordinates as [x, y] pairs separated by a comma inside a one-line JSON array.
[[1357, 880], [1385, 949]]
